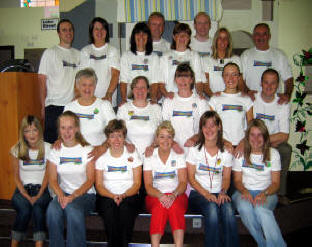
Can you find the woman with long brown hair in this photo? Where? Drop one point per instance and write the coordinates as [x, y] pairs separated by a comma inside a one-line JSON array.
[[257, 180]]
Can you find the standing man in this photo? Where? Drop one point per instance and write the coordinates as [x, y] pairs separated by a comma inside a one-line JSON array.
[[261, 57], [156, 24], [276, 118], [57, 70], [201, 42]]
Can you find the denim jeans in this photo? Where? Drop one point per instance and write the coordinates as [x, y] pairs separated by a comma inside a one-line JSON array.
[[260, 220], [74, 214], [217, 219], [25, 211]]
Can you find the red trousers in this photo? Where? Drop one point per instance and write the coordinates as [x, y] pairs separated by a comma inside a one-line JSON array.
[[160, 214]]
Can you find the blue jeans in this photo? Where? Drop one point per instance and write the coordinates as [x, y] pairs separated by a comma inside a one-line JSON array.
[[213, 216], [260, 220], [25, 211], [74, 214]]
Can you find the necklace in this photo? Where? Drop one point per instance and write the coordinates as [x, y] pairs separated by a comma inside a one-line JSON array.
[[214, 168]]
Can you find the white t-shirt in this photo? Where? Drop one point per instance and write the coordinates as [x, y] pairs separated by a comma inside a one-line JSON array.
[[214, 68], [255, 62], [257, 176], [132, 65], [60, 66], [232, 108], [275, 116], [141, 123], [184, 114], [165, 176], [93, 119], [169, 62], [71, 164], [118, 172], [202, 47], [209, 168], [102, 60], [160, 47], [32, 171]]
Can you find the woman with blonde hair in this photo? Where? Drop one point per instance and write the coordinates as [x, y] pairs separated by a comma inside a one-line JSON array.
[[257, 180], [71, 176], [165, 182], [31, 197], [222, 53]]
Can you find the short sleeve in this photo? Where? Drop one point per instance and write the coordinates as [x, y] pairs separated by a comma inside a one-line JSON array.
[[181, 163], [100, 163], [197, 68], [237, 164], [284, 119], [166, 109], [212, 103], [192, 156], [147, 164], [44, 63], [249, 103], [54, 156], [124, 68], [228, 159], [136, 161], [108, 110], [286, 72], [275, 160], [155, 69], [114, 58]]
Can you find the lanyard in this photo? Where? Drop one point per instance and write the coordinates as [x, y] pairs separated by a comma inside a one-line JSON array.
[[215, 164]]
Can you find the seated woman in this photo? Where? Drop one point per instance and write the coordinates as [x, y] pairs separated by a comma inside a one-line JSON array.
[[257, 180], [93, 113], [165, 182], [31, 197], [209, 172], [118, 180], [71, 176], [141, 117]]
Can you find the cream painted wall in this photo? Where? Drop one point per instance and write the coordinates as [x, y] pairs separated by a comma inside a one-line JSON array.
[[21, 27], [67, 5], [295, 34]]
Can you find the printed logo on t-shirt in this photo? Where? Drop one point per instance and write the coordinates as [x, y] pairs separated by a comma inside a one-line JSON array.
[[206, 168], [86, 116], [158, 53], [264, 116], [33, 162], [204, 53], [182, 113], [217, 68], [143, 67], [160, 175], [232, 108], [262, 63], [66, 160], [176, 62], [97, 58], [258, 167], [117, 168], [136, 117], [67, 64]]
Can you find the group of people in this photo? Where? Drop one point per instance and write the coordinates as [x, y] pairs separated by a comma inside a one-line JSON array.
[[213, 124]]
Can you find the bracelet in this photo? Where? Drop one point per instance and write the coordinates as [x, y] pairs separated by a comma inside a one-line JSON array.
[[175, 193], [223, 191]]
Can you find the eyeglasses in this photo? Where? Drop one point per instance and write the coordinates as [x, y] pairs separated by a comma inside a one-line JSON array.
[[231, 75]]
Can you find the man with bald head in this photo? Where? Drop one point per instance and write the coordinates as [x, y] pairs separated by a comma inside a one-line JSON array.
[[261, 57]]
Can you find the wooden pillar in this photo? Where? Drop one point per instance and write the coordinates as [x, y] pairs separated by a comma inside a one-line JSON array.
[[19, 97]]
